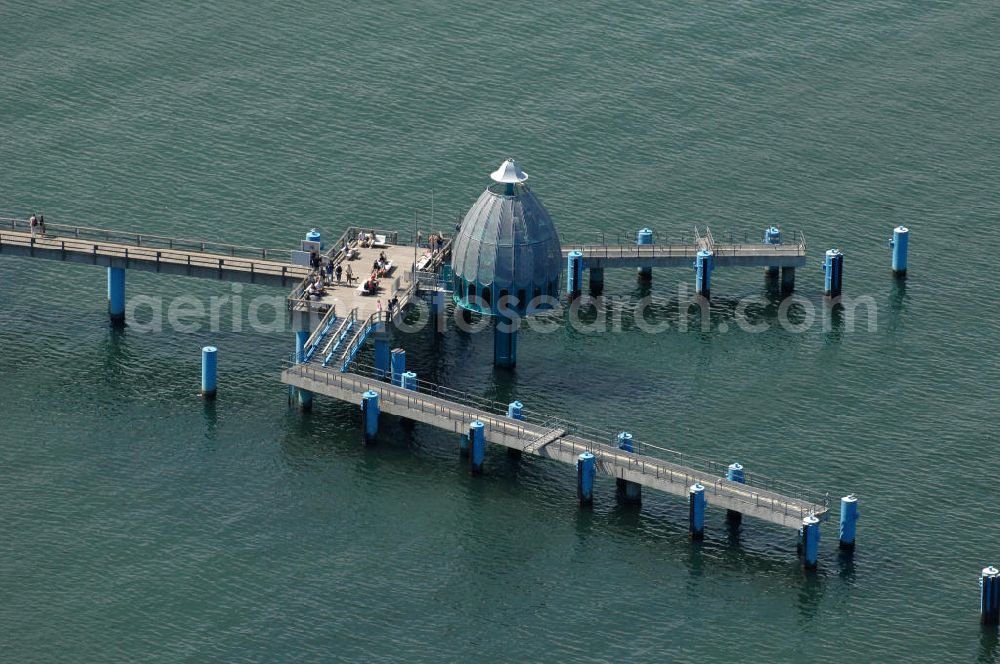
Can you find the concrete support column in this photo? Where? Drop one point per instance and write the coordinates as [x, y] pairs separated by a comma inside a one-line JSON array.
[[304, 396], [515, 411], [629, 492], [505, 342], [381, 351], [398, 363], [772, 236], [989, 595], [369, 413], [644, 237], [735, 474]]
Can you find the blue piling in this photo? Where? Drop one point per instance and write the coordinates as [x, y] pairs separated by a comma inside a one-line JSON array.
[[696, 511], [772, 236], [116, 295], [505, 342], [596, 281], [703, 272], [989, 596], [574, 273], [810, 541], [644, 237], [209, 371], [477, 441], [900, 244], [397, 362], [586, 471], [381, 351], [409, 380], [735, 474], [848, 521], [369, 413], [833, 267], [629, 492], [515, 410]]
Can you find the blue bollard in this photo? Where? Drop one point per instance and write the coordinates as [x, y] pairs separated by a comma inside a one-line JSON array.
[[810, 541], [574, 273], [398, 363], [644, 237], [630, 492], [369, 412], [696, 511], [833, 267], [116, 295], [314, 236], [772, 236], [848, 521], [381, 351], [515, 410], [703, 272], [586, 470], [735, 474], [989, 596], [477, 441], [900, 247], [209, 371], [409, 380]]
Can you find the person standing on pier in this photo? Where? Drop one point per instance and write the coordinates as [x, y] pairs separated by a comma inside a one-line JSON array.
[[340, 271], [379, 305], [41, 224], [350, 275], [32, 223]]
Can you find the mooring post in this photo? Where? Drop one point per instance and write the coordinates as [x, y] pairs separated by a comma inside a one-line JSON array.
[[381, 351], [409, 380], [305, 396], [315, 236], [989, 596], [369, 413], [586, 470], [900, 244], [772, 236], [833, 267], [515, 411], [848, 521], [735, 474], [477, 440], [574, 273], [596, 281], [787, 280], [703, 273], [116, 295], [629, 492], [810, 541], [209, 371], [398, 364], [644, 237], [696, 511]]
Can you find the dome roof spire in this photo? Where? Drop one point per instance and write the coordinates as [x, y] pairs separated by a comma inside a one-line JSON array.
[[509, 172]]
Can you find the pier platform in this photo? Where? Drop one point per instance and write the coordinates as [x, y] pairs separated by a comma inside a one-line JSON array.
[[554, 439]]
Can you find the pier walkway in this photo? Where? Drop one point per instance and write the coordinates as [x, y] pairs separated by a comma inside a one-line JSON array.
[[107, 248], [733, 253], [553, 439]]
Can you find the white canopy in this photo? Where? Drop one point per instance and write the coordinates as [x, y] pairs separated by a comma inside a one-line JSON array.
[[509, 171]]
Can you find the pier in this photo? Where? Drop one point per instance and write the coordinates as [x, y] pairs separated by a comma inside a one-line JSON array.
[[552, 439], [494, 257]]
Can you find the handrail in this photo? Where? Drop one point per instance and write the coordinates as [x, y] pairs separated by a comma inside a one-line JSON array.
[[144, 239], [711, 476]]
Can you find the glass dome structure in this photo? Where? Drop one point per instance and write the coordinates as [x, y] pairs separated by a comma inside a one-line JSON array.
[[507, 246]]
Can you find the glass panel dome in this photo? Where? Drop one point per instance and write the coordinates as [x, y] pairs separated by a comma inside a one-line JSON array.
[[506, 242]]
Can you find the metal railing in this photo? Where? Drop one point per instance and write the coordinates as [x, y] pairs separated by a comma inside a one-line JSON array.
[[148, 240], [461, 407], [794, 244], [146, 254]]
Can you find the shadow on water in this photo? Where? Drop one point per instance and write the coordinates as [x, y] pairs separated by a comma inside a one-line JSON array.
[[845, 566], [898, 302], [988, 645], [810, 596], [117, 356], [210, 414]]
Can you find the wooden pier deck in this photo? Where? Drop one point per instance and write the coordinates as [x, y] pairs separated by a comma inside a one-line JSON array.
[[76, 244], [553, 442]]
